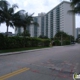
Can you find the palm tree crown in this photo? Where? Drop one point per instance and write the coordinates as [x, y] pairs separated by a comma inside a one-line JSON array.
[[24, 20], [6, 13], [76, 6]]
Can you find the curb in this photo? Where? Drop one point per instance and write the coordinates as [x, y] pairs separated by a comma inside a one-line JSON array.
[[19, 52]]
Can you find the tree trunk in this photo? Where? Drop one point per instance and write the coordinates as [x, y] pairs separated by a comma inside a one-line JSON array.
[[7, 24], [7, 32], [24, 32], [24, 35]]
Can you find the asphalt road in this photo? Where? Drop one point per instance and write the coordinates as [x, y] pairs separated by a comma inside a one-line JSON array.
[[56, 63]]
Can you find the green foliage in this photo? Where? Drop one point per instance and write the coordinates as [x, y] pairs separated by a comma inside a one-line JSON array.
[[24, 20], [20, 42], [43, 37], [64, 36], [57, 43], [1, 41], [66, 42], [78, 39], [27, 34], [58, 35], [6, 13], [76, 6]]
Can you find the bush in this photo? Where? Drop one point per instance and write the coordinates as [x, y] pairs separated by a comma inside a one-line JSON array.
[[57, 42], [66, 42], [20, 42], [1, 41]]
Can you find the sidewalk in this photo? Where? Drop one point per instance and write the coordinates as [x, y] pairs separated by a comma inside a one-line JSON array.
[[25, 51], [19, 52]]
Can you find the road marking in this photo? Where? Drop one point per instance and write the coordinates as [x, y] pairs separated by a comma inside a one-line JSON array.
[[13, 73]]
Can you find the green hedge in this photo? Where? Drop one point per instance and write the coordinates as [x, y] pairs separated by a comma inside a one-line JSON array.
[[20, 42], [1, 41], [57, 43], [66, 42]]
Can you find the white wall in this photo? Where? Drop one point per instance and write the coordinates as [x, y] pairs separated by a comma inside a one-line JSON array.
[[69, 23], [48, 25], [39, 28], [44, 25], [54, 22], [32, 30]]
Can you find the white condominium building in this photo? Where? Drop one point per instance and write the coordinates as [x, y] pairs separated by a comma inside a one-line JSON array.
[[57, 19]]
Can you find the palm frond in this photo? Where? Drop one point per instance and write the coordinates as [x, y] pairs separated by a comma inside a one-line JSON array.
[[74, 2], [15, 6], [76, 6], [4, 5], [11, 24], [35, 23]]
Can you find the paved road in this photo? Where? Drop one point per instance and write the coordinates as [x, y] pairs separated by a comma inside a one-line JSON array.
[[56, 63]]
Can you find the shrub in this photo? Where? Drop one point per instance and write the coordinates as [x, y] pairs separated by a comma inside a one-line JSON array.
[[66, 42], [20, 42], [1, 41], [57, 42]]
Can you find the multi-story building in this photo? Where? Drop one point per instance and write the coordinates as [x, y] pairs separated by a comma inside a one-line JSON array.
[[57, 19], [77, 32]]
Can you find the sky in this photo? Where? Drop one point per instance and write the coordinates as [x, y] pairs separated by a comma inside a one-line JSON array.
[[35, 6]]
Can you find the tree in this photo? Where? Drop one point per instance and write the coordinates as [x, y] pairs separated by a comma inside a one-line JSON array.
[[63, 35], [24, 20], [6, 13], [27, 34], [58, 35], [78, 35], [74, 2], [76, 6], [43, 37]]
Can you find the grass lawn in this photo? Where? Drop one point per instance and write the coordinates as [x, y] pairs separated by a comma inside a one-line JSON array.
[[20, 49]]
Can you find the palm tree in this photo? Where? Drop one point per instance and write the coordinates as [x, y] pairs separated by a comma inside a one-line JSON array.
[[76, 6], [7, 13], [24, 20], [74, 2]]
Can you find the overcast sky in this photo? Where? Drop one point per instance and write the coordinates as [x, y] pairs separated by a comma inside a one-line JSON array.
[[36, 6]]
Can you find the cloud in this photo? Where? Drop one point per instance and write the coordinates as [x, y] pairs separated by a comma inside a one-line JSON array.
[[36, 6]]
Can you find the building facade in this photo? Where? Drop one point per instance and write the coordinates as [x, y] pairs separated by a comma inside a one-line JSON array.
[[57, 19], [77, 32]]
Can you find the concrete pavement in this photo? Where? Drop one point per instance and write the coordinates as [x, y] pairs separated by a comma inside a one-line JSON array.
[[19, 52]]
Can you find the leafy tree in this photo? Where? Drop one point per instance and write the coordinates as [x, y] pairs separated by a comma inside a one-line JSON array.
[[58, 35], [64, 36]]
